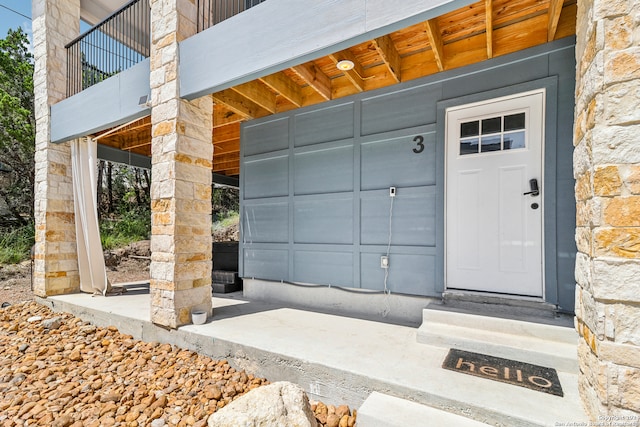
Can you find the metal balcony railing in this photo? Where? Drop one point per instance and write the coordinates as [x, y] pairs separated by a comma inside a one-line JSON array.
[[212, 12], [115, 44]]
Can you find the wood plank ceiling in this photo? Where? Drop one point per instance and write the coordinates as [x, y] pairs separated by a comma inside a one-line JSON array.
[[480, 31]]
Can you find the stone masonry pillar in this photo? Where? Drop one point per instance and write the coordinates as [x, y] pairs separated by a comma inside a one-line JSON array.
[[181, 176], [607, 173], [55, 23]]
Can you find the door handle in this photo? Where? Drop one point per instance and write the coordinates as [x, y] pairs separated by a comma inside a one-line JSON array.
[[533, 185]]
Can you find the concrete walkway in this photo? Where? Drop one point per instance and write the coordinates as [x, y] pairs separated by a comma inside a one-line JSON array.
[[336, 359]]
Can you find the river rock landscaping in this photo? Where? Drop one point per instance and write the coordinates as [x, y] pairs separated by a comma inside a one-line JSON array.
[[58, 370]]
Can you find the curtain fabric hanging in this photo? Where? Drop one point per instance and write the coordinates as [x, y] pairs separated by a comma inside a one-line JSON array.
[[93, 274]]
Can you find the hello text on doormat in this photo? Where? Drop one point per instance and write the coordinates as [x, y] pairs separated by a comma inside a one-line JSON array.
[[508, 371]]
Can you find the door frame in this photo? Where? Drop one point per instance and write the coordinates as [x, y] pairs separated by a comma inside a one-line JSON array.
[[549, 249], [491, 111]]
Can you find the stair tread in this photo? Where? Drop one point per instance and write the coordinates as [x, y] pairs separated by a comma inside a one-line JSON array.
[[498, 338], [381, 410], [518, 327]]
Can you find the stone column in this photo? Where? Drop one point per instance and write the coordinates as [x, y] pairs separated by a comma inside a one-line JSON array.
[[607, 172], [55, 23], [181, 175]]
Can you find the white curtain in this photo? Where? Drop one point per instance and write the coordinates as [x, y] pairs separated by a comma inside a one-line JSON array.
[[93, 274]]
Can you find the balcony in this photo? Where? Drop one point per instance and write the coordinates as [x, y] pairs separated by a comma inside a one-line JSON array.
[[114, 45], [212, 12], [123, 39]]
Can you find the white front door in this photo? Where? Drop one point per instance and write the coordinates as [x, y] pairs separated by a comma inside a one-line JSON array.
[[493, 229]]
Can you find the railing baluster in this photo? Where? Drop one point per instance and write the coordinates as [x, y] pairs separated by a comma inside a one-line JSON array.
[[123, 39], [115, 44], [212, 12]]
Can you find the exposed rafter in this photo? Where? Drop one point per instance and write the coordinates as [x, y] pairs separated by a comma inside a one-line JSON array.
[[222, 116], [139, 124], [488, 7], [226, 133], [389, 54], [458, 38], [315, 78], [354, 75], [240, 104], [130, 145], [222, 161], [258, 93], [435, 39], [285, 87], [230, 146], [555, 9], [229, 172]]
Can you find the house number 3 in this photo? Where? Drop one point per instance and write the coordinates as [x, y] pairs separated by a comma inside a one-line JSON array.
[[419, 140]]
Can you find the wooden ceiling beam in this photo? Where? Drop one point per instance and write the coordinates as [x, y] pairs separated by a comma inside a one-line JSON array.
[[435, 39], [239, 104], [258, 93], [231, 164], [488, 7], [390, 56], [225, 147], [228, 172], [222, 116], [226, 157], [226, 133], [285, 87], [227, 169], [142, 123], [354, 75], [315, 78], [131, 140], [555, 9], [135, 145]]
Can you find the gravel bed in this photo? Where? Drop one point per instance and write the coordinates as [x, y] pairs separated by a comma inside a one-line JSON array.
[[57, 370]]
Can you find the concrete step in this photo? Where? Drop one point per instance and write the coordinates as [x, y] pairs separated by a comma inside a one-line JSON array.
[[224, 282], [382, 410], [544, 344], [223, 276]]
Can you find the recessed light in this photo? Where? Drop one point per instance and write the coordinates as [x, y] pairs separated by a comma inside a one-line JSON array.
[[345, 65]]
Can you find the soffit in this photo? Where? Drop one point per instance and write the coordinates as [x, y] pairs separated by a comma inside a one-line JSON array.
[[474, 33]]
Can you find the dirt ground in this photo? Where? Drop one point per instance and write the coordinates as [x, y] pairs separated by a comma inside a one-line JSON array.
[[15, 283], [128, 264], [15, 279]]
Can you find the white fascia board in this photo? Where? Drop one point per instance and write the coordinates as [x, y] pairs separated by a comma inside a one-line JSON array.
[[109, 103]]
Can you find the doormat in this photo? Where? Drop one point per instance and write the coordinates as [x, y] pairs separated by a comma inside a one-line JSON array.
[[508, 371]]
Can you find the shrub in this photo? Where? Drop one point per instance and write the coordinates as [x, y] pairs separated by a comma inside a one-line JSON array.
[[129, 226], [15, 244]]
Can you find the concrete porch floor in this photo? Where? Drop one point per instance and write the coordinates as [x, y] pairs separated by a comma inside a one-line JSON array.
[[335, 359]]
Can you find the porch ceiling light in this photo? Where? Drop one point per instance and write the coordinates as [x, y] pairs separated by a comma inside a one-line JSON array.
[[345, 65]]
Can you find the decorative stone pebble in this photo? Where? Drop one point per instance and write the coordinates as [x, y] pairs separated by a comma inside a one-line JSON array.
[[63, 372], [53, 323]]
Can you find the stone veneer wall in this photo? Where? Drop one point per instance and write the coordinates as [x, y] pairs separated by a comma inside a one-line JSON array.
[[55, 23], [182, 154], [607, 172]]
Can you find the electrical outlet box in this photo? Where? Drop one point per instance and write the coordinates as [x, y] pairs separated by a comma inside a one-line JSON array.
[[392, 191], [384, 261]]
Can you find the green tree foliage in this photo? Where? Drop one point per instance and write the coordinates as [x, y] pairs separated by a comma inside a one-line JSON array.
[[224, 201], [17, 126], [124, 204]]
